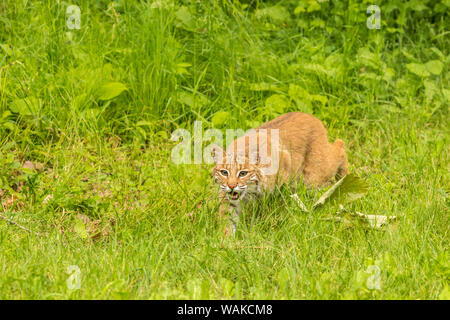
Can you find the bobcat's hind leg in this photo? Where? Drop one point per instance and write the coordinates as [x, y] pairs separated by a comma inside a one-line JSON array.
[[341, 158], [324, 162]]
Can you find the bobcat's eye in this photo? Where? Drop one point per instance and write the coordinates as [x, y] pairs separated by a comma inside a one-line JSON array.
[[224, 173], [243, 173]]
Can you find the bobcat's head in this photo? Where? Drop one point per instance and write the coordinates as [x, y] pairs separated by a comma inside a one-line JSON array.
[[236, 176]]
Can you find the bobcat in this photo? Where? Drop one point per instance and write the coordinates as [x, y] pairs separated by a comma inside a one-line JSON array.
[[290, 147]]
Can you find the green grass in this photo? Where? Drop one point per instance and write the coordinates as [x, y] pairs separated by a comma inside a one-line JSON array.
[[109, 160]]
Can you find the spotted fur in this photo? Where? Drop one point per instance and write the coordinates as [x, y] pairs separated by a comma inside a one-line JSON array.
[[303, 152]]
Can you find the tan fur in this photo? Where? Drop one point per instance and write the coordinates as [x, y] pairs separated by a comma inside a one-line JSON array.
[[303, 151]]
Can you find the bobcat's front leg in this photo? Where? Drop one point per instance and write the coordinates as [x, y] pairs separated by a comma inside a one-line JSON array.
[[229, 213]]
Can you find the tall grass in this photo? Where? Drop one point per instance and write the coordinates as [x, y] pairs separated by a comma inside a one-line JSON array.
[[108, 160]]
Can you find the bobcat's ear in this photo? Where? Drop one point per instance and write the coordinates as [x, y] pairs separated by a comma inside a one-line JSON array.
[[218, 154]]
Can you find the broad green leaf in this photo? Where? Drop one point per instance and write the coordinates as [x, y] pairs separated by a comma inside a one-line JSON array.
[[434, 66], [296, 92], [446, 94], [430, 89], [185, 18], [111, 90], [313, 6], [9, 125], [301, 97], [182, 67], [388, 74], [418, 69], [192, 100], [299, 9], [277, 103], [347, 189], [276, 13], [322, 99], [220, 118], [318, 23], [304, 106], [417, 5], [25, 107], [334, 64], [366, 58]]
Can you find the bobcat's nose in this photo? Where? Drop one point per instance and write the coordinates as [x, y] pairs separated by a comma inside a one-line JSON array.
[[232, 186]]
